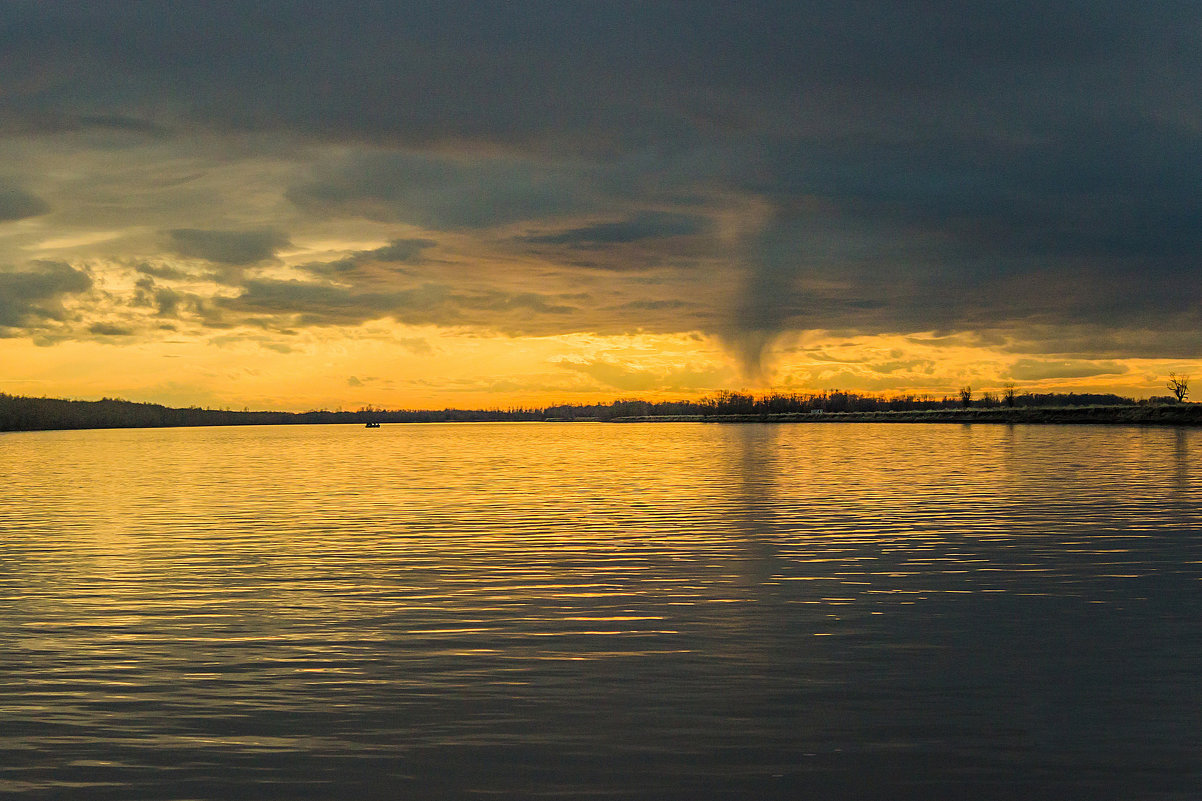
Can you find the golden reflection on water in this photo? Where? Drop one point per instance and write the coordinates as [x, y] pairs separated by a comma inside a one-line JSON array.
[[649, 611]]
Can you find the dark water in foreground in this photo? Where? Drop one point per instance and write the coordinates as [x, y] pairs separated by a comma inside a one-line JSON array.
[[590, 611]]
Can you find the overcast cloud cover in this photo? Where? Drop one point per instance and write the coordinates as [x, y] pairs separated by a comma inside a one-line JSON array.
[[1027, 173]]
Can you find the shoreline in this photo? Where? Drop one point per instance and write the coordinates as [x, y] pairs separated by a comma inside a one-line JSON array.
[[1185, 414], [19, 413]]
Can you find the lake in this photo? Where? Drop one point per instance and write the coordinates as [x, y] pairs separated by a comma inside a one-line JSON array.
[[660, 611]]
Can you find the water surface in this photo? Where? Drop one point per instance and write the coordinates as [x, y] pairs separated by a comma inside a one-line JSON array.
[[676, 611]]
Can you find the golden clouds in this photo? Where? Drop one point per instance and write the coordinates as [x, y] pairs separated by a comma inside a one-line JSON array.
[[387, 365]]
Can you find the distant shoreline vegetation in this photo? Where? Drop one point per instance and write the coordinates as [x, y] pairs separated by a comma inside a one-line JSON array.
[[18, 413]]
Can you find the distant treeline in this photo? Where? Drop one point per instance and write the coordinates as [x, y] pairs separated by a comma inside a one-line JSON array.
[[725, 403], [35, 414], [31, 414]]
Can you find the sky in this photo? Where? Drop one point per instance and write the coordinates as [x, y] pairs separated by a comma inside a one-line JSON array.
[[477, 204]]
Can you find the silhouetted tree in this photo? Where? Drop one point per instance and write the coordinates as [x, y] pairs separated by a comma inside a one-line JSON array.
[[966, 396], [1179, 385], [1008, 395]]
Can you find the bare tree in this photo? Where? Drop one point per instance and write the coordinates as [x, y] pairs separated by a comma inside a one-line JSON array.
[[966, 396], [1179, 385], [1008, 394]]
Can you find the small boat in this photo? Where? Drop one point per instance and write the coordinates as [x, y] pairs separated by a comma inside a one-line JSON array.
[[372, 425]]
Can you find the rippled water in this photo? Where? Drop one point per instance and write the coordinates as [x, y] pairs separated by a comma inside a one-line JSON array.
[[676, 611]]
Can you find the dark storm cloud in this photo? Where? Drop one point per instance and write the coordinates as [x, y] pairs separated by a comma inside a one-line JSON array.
[[440, 192], [1126, 191], [402, 251], [163, 271], [615, 74], [425, 304], [167, 301], [235, 248], [645, 225], [921, 166], [359, 264], [17, 204], [109, 330], [32, 296]]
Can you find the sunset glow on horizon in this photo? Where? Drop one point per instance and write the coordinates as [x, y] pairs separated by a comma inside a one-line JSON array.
[[474, 206]]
